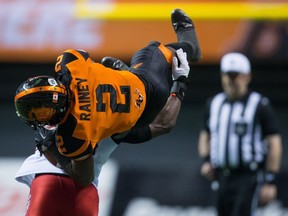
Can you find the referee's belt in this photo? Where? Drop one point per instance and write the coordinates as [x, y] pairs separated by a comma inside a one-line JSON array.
[[249, 169]]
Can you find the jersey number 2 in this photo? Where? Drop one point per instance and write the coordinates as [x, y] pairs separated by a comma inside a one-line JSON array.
[[115, 107]]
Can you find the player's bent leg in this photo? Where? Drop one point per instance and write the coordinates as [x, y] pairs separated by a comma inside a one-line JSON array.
[[86, 201], [53, 194], [46, 196], [186, 34], [151, 64]]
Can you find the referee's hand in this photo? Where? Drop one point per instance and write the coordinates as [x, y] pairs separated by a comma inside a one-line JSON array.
[[208, 171], [267, 194]]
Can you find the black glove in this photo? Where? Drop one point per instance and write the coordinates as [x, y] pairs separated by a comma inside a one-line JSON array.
[[114, 63], [44, 136]]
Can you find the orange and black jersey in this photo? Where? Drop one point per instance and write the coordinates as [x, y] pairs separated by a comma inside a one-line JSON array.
[[103, 102]]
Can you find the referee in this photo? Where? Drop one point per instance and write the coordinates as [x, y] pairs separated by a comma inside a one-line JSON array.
[[240, 143]]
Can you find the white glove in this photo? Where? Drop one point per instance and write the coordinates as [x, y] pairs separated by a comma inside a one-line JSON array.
[[183, 69]]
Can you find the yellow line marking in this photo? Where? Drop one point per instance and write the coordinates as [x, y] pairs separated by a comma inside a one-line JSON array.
[[162, 11]]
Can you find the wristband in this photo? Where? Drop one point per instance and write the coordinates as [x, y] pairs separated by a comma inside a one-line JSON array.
[[270, 177], [179, 87]]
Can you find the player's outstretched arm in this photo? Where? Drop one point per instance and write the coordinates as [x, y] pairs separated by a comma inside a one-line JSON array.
[[168, 116]]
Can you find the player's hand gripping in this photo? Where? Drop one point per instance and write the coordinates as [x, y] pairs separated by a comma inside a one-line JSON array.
[[182, 68], [44, 137], [180, 72], [114, 63]]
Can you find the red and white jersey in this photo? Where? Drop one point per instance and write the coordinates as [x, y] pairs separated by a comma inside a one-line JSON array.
[[36, 164]]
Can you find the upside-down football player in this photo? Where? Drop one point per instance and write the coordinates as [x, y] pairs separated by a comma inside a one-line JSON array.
[[86, 102]]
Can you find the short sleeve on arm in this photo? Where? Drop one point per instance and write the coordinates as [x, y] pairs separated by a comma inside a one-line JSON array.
[[205, 123], [267, 117]]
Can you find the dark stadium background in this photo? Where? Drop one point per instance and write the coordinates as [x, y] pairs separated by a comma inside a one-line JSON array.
[[165, 169]]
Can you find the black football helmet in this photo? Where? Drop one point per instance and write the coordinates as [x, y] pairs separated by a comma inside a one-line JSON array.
[[41, 100]]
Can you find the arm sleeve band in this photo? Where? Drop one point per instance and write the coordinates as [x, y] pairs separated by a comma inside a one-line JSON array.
[[270, 177], [137, 135]]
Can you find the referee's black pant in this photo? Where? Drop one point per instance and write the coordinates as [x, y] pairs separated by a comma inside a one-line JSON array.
[[238, 193]]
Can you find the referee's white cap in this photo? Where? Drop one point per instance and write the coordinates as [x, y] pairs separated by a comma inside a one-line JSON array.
[[235, 62]]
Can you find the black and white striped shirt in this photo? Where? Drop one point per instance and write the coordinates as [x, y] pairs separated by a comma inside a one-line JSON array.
[[237, 130]]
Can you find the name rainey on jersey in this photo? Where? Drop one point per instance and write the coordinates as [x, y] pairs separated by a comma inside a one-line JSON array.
[[84, 99]]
